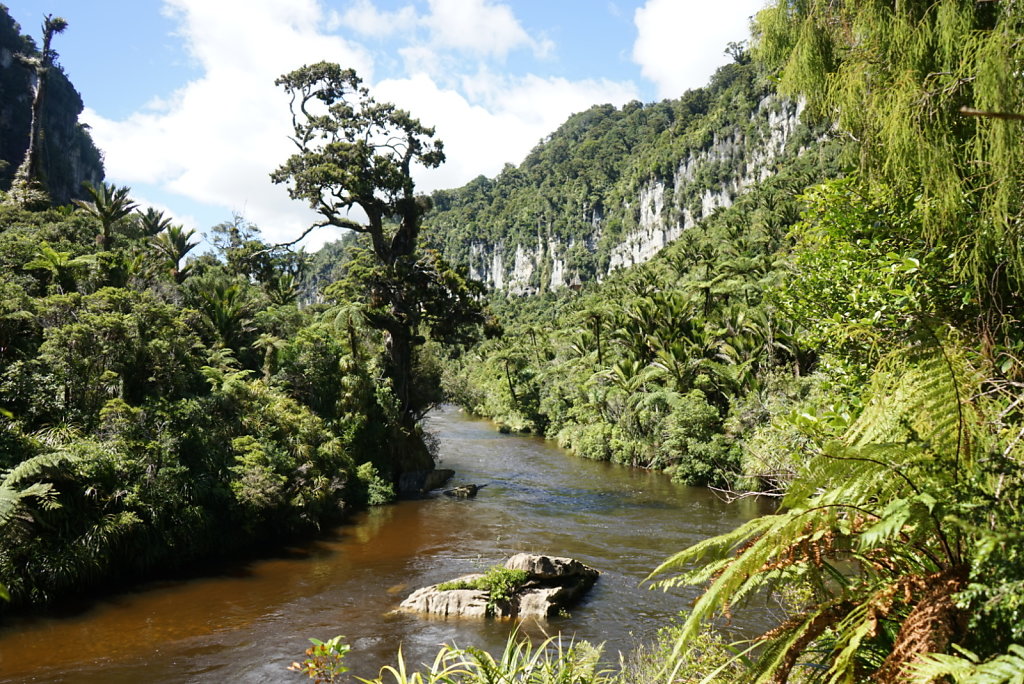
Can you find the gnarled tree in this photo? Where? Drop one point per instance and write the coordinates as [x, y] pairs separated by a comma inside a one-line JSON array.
[[353, 166]]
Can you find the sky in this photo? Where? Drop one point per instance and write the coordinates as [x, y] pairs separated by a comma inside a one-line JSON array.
[[180, 94]]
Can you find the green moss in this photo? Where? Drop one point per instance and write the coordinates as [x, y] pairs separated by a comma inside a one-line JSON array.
[[500, 583]]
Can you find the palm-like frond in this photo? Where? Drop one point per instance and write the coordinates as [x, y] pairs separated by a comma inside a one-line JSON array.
[[966, 668], [20, 490], [109, 204], [173, 244], [875, 502]]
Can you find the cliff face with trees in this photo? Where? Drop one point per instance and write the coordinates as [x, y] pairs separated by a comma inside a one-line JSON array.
[[611, 187], [846, 338], [69, 156]]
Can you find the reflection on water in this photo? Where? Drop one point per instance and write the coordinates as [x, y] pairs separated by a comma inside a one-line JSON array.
[[249, 623]]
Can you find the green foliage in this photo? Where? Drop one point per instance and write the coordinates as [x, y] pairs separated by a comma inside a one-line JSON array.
[[168, 412], [324, 660], [924, 88], [499, 582], [21, 485], [967, 668], [708, 657], [173, 243], [867, 275], [109, 204], [879, 527], [550, 662], [378, 490]]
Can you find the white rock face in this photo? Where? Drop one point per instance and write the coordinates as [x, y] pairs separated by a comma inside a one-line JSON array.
[[553, 583], [451, 603], [662, 218], [660, 228]]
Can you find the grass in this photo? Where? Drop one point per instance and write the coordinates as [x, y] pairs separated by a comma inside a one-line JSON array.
[[499, 583]]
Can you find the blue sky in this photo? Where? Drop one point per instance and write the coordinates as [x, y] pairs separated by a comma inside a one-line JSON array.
[[181, 99]]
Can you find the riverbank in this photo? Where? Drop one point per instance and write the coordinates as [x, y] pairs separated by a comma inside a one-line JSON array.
[[250, 621]]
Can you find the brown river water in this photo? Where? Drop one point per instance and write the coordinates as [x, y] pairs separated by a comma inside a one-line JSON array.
[[247, 622]]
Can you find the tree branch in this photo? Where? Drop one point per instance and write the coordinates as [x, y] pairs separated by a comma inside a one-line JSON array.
[[970, 111]]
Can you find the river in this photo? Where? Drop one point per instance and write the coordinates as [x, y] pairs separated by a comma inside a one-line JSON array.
[[249, 621]]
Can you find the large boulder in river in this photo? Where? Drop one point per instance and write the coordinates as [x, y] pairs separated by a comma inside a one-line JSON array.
[[451, 602], [550, 585]]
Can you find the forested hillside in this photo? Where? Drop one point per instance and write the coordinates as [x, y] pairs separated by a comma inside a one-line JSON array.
[[677, 362], [846, 337], [612, 186]]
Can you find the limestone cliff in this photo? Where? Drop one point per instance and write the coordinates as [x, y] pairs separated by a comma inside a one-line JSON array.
[[69, 155], [613, 186], [663, 209]]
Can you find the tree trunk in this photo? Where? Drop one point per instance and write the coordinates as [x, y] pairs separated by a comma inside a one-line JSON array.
[[32, 156], [31, 168]]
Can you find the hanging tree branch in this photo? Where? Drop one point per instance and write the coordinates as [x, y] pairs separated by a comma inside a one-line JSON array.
[[970, 111]]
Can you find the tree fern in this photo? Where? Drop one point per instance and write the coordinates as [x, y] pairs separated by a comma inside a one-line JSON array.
[[882, 504]]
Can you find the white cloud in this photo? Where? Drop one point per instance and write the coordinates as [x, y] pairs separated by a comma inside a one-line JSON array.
[[215, 141], [365, 18], [680, 43], [501, 121], [479, 27]]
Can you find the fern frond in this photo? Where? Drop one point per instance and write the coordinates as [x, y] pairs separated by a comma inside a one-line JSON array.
[[13, 501], [716, 548], [917, 396], [1007, 668], [36, 467]]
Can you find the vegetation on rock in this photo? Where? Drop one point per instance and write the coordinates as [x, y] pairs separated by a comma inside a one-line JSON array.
[[40, 135], [499, 583]]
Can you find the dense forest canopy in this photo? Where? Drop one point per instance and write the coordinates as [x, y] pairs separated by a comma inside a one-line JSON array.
[[841, 333]]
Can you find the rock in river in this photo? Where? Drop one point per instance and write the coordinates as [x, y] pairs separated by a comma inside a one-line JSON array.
[[552, 584], [464, 491]]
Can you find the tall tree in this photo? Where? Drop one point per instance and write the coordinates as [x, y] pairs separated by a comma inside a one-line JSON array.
[[109, 204], [29, 175], [353, 166]]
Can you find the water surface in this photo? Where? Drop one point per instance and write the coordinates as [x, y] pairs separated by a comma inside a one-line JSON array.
[[249, 622]]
